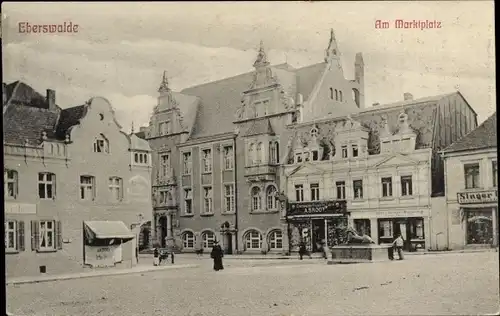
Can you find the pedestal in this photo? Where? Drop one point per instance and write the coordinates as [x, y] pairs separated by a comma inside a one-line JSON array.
[[359, 253]]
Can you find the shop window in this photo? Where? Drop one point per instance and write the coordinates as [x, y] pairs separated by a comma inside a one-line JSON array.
[[385, 229], [471, 172], [417, 229], [479, 227], [314, 187], [386, 187], [358, 189], [406, 186], [340, 190], [299, 192], [362, 227]]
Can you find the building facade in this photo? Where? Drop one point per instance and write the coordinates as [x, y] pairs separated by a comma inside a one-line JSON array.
[[245, 139], [63, 167], [472, 189]]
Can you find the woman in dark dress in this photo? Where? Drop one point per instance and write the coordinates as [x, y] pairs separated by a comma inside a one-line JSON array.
[[217, 255]]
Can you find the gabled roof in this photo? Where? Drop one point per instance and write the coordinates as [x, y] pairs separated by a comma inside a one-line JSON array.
[[220, 99], [23, 123], [484, 136], [20, 93], [260, 127], [69, 118]]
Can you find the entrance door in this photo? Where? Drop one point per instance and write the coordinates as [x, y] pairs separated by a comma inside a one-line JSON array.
[[229, 243], [318, 234]]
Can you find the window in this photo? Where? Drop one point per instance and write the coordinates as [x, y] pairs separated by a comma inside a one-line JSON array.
[[207, 160], [141, 158], [258, 157], [10, 183], [186, 163], [331, 93], [115, 188], [164, 165], [46, 235], [207, 197], [299, 192], [136, 158], [471, 176], [340, 96], [298, 157], [208, 239], [251, 154], [253, 240], [358, 189], [228, 157], [188, 201], [163, 196], [387, 187], [14, 236], [46, 185], [261, 108], [229, 198], [274, 152], [340, 190], [256, 199], [406, 186], [276, 240], [336, 95], [354, 150], [315, 155], [165, 128], [271, 197], [87, 188], [344, 151], [314, 191], [494, 168], [188, 240], [101, 145], [385, 229]]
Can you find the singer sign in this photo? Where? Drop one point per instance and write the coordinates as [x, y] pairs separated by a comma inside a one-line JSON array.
[[479, 197]]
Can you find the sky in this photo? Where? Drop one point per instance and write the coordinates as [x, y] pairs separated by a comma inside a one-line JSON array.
[[122, 49]]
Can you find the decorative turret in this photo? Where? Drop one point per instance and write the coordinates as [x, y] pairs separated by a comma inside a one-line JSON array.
[[166, 99], [261, 60], [332, 50], [164, 84]]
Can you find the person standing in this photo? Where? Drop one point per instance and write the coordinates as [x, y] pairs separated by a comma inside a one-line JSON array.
[[217, 254], [303, 251], [398, 244], [156, 257]]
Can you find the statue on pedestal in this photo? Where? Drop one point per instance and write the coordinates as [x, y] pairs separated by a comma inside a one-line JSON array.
[[354, 238]]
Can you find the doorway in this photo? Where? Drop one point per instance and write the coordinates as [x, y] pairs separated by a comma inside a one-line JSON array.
[[318, 234], [228, 244], [163, 231]]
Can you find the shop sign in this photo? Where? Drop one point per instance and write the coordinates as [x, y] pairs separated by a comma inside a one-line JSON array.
[[490, 196], [317, 207], [404, 213], [100, 256]]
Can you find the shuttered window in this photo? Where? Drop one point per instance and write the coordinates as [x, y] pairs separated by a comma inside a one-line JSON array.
[[14, 236], [46, 235]]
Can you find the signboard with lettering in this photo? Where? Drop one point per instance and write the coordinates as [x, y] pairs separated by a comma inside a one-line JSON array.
[[403, 213], [317, 208], [100, 256], [489, 196], [18, 208]]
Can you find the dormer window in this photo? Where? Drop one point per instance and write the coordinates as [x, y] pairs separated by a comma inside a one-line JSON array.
[[141, 158], [101, 144], [355, 150], [344, 151]]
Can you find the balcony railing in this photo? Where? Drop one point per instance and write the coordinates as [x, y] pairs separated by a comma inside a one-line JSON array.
[[260, 170]]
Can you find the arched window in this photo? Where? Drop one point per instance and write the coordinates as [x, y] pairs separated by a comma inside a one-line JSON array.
[[340, 95], [336, 95], [101, 144], [208, 239], [331, 93], [355, 96], [251, 154], [276, 240], [256, 199], [136, 158], [271, 199], [141, 159], [253, 240], [188, 240], [260, 151], [146, 158]]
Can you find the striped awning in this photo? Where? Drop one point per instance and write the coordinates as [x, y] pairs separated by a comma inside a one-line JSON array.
[[107, 230]]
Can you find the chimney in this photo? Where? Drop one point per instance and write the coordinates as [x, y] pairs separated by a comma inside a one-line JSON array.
[[408, 96], [4, 92], [376, 104], [51, 99]]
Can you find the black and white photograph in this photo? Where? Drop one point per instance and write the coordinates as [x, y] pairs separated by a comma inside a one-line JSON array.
[[294, 158]]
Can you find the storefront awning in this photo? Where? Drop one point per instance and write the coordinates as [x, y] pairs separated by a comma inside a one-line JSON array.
[[107, 230]]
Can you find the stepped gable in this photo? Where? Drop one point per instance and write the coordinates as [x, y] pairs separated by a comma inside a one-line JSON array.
[[484, 136]]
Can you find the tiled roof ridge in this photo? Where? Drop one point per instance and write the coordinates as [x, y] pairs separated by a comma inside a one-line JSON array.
[[413, 102]]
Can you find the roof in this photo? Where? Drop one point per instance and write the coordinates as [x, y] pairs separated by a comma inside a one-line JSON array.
[[259, 127], [141, 135], [69, 118], [137, 143], [431, 99], [484, 136], [109, 229], [23, 123], [20, 93], [220, 99]]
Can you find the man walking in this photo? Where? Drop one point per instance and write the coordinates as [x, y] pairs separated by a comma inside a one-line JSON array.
[[398, 244]]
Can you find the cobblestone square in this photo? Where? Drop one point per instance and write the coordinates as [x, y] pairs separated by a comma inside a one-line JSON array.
[[447, 284]]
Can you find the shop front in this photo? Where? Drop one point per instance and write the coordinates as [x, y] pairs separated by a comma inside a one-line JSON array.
[[384, 226], [316, 223], [479, 212]]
